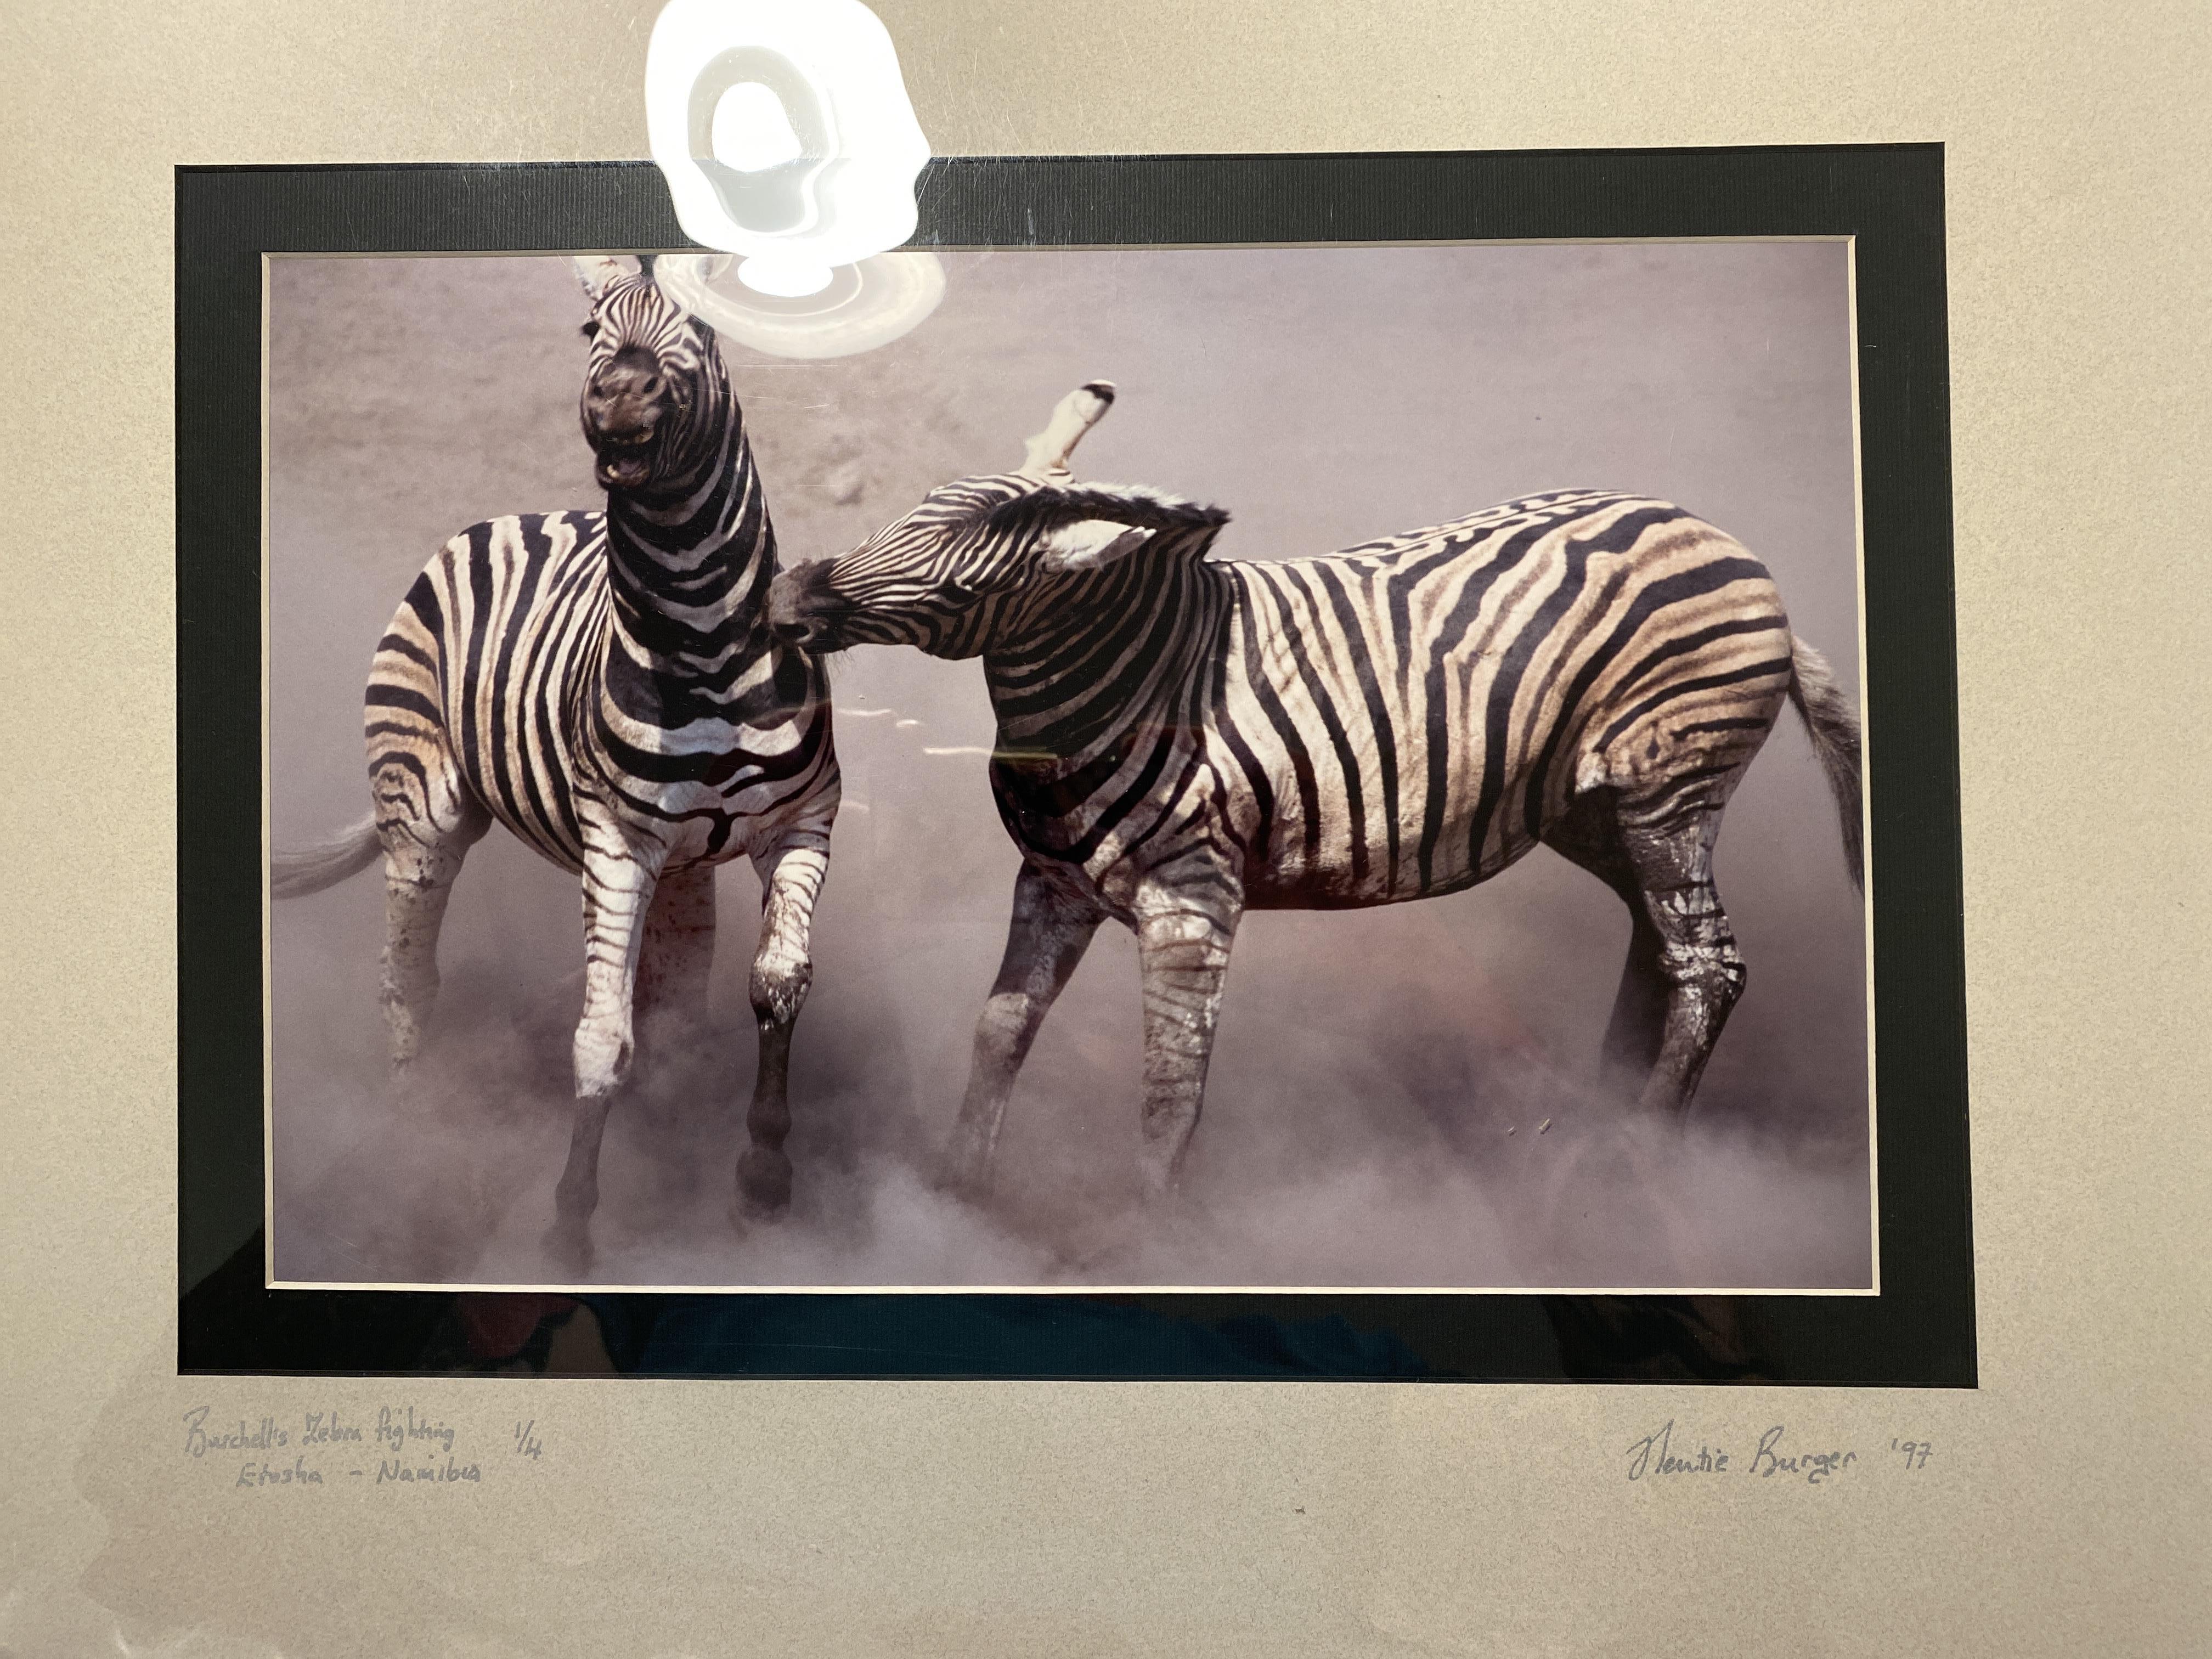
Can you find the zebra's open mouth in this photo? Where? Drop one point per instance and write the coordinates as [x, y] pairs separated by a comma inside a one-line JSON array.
[[625, 457]]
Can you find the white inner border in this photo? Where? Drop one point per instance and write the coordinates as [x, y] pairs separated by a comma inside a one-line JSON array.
[[1866, 819]]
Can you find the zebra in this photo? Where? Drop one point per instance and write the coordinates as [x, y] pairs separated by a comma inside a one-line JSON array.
[[1182, 739], [602, 685]]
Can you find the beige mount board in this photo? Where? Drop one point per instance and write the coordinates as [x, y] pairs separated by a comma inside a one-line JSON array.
[[2062, 1508]]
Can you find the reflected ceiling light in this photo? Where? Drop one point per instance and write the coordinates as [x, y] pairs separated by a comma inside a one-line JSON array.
[[788, 139]]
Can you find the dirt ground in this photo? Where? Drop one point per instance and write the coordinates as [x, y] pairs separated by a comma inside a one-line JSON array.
[[1383, 1079]]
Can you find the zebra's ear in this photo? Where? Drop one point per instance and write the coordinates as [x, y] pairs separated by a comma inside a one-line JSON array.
[[1092, 544], [1085, 526], [596, 270], [1046, 454]]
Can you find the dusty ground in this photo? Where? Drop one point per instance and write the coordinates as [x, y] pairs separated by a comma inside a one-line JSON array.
[[1370, 1064]]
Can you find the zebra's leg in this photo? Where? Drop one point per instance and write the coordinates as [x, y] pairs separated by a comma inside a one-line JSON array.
[[673, 970], [1045, 938], [427, 821], [1671, 852], [791, 873], [1614, 1164], [678, 954], [1184, 932], [1589, 836], [618, 887]]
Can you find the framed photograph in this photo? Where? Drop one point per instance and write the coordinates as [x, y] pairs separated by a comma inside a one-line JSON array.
[[702, 857]]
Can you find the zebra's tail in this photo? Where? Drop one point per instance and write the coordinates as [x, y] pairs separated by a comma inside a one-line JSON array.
[[1833, 727], [309, 869]]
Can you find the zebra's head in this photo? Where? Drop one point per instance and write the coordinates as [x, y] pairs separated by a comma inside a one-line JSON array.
[[656, 402], [982, 556]]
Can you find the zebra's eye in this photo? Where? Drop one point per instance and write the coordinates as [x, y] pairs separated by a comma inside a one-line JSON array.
[[591, 328]]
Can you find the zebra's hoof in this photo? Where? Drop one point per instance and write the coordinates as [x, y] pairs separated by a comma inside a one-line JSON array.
[[763, 1185], [964, 1174], [569, 1243], [972, 1191]]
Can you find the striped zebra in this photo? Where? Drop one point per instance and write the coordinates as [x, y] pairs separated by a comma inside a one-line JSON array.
[[602, 685], [1183, 738]]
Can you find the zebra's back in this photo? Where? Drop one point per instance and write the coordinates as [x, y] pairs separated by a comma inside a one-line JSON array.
[[1405, 718], [482, 662]]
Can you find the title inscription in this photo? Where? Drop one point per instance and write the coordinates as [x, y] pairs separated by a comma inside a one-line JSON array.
[[401, 1446]]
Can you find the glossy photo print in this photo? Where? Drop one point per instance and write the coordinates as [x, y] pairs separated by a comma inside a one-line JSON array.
[[1231, 768]]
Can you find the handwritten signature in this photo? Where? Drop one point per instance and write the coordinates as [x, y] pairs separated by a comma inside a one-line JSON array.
[[1656, 1455]]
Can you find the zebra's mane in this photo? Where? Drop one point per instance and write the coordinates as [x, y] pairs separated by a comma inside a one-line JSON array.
[[1140, 507]]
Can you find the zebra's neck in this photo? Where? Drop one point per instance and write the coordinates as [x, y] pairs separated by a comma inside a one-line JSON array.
[[1104, 654], [689, 567]]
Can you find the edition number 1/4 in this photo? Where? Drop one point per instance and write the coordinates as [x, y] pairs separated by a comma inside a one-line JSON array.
[[1914, 1452]]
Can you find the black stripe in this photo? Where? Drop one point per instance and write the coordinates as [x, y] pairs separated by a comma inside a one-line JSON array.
[[383, 695], [1088, 707], [479, 577], [531, 532], [1255, 775], [713, 768], [1293, 638], [1619, 536], [1286, 729], [1466, 610], [402, 647], [1154, 762], [1370, 691], [1165, 810], [1324, 700], [1749, 723], [423, 600], [1711, 681], [405, 762], [1134, 593], [569, 832], [569, 616], [1063, 795], [1689, 642], [1657, 595]]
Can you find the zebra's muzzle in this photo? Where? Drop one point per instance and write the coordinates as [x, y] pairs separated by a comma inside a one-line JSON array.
[[801, 610]]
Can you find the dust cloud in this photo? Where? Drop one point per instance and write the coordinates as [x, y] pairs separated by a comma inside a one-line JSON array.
[[1398, 1098]]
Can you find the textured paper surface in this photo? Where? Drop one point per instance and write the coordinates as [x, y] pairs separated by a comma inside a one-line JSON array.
[[2065, 1507]]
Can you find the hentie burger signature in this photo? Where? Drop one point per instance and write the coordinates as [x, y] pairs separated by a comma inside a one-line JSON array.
[[1657, 1453]]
